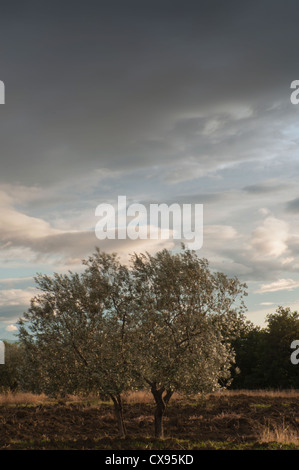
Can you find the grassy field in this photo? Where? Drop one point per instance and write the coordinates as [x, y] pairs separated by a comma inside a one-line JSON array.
[[241, 420]]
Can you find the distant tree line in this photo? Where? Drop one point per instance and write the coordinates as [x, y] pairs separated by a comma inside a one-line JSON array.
[[263, 354]]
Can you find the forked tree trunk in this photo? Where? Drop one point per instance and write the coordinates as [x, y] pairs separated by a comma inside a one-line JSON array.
[[161, 403], [118, 411]]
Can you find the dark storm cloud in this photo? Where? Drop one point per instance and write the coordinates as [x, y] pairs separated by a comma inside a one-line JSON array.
[[113, 84], [264, 188], [293, 206], [201, 198]]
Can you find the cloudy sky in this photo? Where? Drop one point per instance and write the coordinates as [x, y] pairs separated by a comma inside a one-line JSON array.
[[164, 102]]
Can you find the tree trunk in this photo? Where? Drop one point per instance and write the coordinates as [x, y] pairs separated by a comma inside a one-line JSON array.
[[118, 411], [161, 403]]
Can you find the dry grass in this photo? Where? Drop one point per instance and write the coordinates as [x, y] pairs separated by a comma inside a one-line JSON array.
[[279, 433], [22, 398], [224, 415], [138, 397], [292, 393], [145, 396]]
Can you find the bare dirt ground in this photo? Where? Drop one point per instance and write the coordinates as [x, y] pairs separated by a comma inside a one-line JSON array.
[[236, 421]]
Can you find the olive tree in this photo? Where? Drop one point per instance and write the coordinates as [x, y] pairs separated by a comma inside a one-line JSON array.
[[165, 321], [78, 335], [188, 317]]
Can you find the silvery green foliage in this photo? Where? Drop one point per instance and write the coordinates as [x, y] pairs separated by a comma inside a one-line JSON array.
[[187, 319], [78, 331]]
